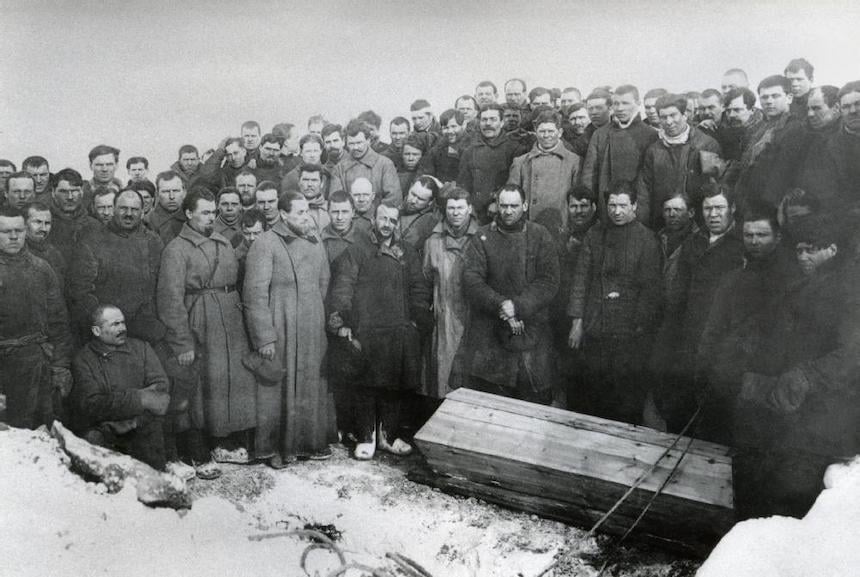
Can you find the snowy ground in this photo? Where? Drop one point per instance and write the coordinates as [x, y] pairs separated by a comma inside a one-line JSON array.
[[53, 523]]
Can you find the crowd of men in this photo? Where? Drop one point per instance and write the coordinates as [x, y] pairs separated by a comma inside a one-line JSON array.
[[681, 261]]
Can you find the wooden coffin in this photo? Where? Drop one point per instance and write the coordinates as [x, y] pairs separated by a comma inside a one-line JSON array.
[[573, 468]]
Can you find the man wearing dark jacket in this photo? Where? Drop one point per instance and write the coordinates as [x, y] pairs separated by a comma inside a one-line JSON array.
[[616, 150], [39, 218], [510, 277], [187, 166], [443, 160], [816, 175], [484, 166], [120, 390], [167, 218], [800, 74], [70, 219], [614, 303]]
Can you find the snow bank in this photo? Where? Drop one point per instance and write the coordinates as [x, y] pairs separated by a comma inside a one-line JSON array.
[[825, 543]]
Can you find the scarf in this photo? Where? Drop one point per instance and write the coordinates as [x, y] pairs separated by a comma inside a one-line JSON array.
[[674, 140]]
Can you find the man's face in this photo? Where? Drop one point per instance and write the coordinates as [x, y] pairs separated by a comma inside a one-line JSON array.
[[103, 206], [128, 211], [298, 219], [148, 201], [269, 151], [568, 98], [267, 202], [341, 214], [760, 240], [250, 138], [651, 110], [467, 108], [800, 83], [398, 133], [316, 128], [485, 95], [457, 212], [137, 172], [598, 111], [235, 154], [103, 167], [849, 105], [333, 144], [580, 212], [246, 184], [579, 121], [5, 172], [291, 143], [491, 123], [202, 217], [718, 214], [511, 207], [624, 107], [189, 161], [672, 121], [386, 221], [229, 207], [452, 130], [357, 145], [548, 135], [13, 233], [67, 197], [251, 233], [676, 213], [515, 93], [620, 209], [20, 192], [171, 193], [738, 113], [38, 224], [511, 118], [774, 101], [311, 152], [41, 175], [541, 100], [411, 157], [111, 330], [422, 119], [418, 198], [810, 257], [711, 107], [732, 81], [817, 111], [310, 184], [362, 194]]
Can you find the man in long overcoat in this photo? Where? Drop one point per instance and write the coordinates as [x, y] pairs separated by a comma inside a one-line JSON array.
[[286, 282]]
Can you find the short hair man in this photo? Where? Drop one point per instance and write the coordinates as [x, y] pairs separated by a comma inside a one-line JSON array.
[[399, 130], [614, 302], [734, 78], [423, 119], [228, 160], [137, 168], [570, 96], [816, 175], [546, 173], [378, 296], [310, 187], [41, 171], [485, 166], [340, 231], [289, 135], [574, 122], [364, 200], [616, 149], [250, 134], [286, 282], [418, 215], [739, 119], [662, 174], [187, 165], [266, 164], [800, 74], [38, 218], [648, 103], [316, 123], [333, 144], [444, 263], [246, 183], [443, 159], [510, 300], [311, 149], [364, 162], [167, 218], [71, 222], [266, 201], [516, 93], [467, 106], [103, 198], [34, 315], [20, 190], [375, 123], [414, 149], [486, 93], [7, 167], [103, 163], [539, 96], [228, 222], [598, 105], [121, 390], [846, 143]]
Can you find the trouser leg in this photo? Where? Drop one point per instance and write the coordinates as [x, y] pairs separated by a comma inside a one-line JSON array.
[[146, 442], [26, 378]]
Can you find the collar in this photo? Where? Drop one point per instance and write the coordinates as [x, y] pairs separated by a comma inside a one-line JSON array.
[[103, 350], [369, 159], [538, 151], [283, 230], [197, 239], [329, 233], [518, 226], [675, 140], [442, 227], [617, 123], [232, 225]]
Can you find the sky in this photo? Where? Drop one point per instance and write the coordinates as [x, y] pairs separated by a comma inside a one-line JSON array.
[[150, 76]]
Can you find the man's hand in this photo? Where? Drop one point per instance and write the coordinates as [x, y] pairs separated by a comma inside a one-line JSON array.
[[61, 380], [708, 124], [507, 310], [185, 359], [267, 351], [574, 338], [789, 392], [517, 327], [153, 400]]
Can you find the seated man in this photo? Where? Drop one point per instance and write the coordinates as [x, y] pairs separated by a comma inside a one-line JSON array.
[[120, 390]]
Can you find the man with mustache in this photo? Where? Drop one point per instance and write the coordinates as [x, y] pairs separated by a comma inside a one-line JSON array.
[[38, 218], [120, 391]]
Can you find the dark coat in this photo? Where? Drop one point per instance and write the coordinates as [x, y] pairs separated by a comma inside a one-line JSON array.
[[616, 286], [336, 243], [290, 181], [443, 160], [67, 230], [166, 225], [380, 293], [616, 153], [484, 168], [845, 150], [817, 173], [188, 179], [667, 169], [52, 255], [520, 265], [416, 228], [116, 267]]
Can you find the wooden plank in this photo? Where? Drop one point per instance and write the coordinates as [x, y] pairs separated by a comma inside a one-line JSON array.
[[577, 452]]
